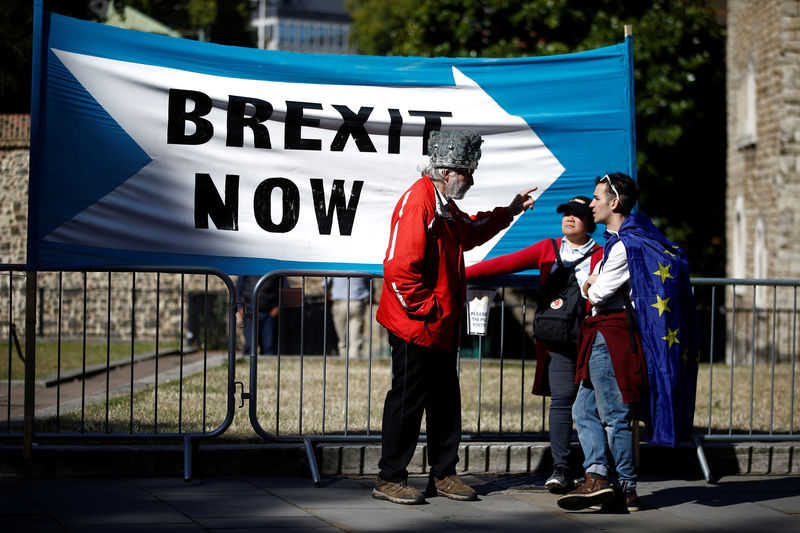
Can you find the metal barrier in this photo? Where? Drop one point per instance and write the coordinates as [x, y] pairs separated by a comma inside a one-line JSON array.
[[308, 395], [101, 347], [723, 309], [503, 410], [759, 320]]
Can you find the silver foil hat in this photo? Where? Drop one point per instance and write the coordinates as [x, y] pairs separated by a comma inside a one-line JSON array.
[[456, 149]]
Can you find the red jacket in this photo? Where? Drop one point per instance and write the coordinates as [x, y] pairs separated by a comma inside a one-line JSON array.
[[541, 256], [424, 285]]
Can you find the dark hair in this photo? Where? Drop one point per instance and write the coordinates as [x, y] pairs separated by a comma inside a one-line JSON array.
[[589, 223], [625, 187]]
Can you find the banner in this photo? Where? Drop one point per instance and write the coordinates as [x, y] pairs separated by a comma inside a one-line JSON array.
[[152, 150]]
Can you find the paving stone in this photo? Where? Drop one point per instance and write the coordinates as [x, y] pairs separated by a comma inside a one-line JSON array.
[[419, 463], [759, 460], [352, 457], [781, 461], [498, 458], [462, 455], [477, 457], [372, 455], [330, 458], [518, 457]]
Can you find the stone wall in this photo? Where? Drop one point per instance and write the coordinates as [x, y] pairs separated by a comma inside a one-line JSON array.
[[14, 158], [764, 171]]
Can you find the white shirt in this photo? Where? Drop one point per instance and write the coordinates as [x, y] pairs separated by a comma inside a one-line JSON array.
[[613, 275], [569, 255]]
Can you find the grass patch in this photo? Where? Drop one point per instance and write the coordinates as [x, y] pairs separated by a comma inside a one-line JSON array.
[[71, 355], [335, 400]]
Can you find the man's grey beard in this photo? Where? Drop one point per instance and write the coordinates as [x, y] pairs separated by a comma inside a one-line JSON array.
[[455, 189]]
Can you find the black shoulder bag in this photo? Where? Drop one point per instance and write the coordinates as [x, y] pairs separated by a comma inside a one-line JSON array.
[[561, 306]]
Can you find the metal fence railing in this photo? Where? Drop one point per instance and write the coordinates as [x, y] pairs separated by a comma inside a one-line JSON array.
[[152, 354], [746, 388], [108, 355]]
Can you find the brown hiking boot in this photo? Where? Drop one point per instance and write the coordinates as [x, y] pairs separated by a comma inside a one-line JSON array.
[[394, 492], [451, 487], [594, 489]]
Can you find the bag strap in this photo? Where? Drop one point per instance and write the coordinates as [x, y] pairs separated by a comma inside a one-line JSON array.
[[585, 256], [558, 255]]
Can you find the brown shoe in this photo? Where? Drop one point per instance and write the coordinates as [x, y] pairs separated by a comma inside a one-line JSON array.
[[394, 492], [451, 487], [593, 490]]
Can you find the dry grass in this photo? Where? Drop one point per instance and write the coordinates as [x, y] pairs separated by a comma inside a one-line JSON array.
[[731, 409], [73, 355], [200, 404]]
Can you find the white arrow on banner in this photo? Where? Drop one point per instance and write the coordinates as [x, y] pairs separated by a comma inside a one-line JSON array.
[[154, 211]]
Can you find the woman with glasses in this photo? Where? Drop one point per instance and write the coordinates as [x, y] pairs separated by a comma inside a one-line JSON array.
[[555, 365]]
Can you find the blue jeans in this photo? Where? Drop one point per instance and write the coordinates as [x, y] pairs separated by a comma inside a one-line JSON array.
[[603, 420]]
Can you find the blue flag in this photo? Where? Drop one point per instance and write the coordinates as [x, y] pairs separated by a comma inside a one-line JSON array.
[[667, 316]]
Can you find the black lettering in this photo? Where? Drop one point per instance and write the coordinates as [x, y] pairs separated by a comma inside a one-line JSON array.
[[395, 127], [353, 125], [262, 205], [344, 213], [295, 120], [207, 202], [433, 122], [178, 116], [238, 121]]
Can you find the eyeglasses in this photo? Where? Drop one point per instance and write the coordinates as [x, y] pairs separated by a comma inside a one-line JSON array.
[[614, 189]]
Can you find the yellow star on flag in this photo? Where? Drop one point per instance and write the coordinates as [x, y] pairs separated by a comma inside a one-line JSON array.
[[672, 337], [661, 305], [663, 271], [670, 253], [685, 356]]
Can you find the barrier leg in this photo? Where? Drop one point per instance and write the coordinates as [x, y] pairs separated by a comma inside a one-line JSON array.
[[312, 461], [187, 458], [701, 456]]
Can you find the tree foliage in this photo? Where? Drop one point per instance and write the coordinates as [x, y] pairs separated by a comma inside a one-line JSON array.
[[679, 76], [220, 21]]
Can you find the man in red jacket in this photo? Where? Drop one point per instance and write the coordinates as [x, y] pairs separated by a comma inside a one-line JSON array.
[[423, 295]]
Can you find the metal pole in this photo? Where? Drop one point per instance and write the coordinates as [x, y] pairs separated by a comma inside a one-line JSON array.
[[30, 364]]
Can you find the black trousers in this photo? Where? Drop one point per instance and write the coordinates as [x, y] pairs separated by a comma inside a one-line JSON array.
[[563, 389], [426, 380]]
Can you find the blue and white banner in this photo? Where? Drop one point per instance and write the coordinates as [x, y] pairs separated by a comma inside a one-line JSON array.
[[152, 150]]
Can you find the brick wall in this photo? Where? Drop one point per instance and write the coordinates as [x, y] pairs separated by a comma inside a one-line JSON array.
[[763, 173], [766, 174]]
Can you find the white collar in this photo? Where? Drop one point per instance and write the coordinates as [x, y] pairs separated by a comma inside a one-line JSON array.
[[442, 207]]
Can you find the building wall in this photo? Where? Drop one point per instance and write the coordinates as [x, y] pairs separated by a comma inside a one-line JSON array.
[[763, 216], [763, 161]]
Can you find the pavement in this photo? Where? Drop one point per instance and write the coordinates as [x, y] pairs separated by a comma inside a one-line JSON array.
[[508, 502]]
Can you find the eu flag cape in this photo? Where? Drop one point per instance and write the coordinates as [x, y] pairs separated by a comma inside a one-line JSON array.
[[667, 316], [153, 150]]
